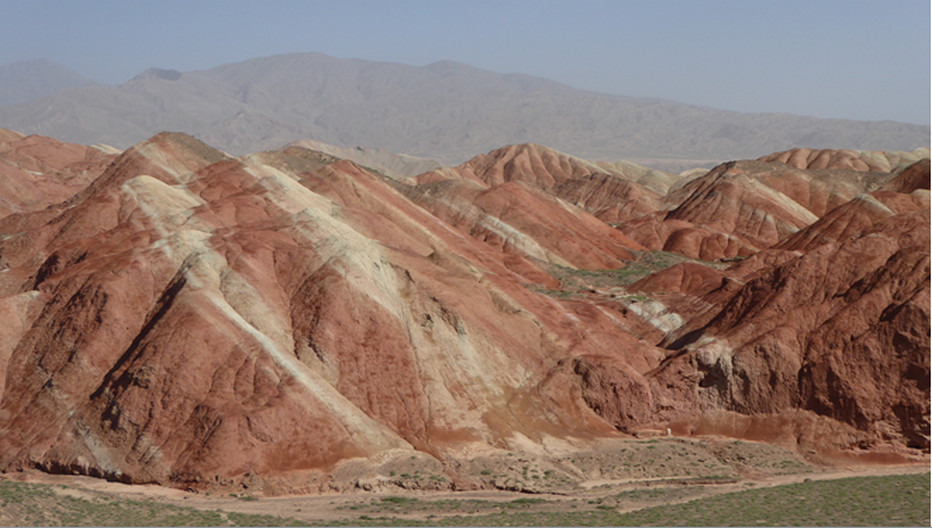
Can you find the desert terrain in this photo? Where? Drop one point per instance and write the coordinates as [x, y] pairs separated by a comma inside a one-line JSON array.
[[707, 477], [322, 338]]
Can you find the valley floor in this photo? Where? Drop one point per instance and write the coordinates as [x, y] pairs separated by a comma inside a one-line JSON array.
[[774, 491]]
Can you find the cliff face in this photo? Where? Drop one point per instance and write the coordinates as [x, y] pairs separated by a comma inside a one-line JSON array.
[[839, 330], [179, 315]]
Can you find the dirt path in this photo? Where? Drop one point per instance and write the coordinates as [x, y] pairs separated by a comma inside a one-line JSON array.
[[425, 505]]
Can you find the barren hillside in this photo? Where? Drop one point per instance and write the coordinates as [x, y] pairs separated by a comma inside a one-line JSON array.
[[180, 316]]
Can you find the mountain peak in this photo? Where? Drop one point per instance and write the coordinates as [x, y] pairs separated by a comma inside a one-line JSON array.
[[160, 74]]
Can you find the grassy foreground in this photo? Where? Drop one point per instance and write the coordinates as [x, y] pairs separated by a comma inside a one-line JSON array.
[[898, 500], [23, 504]]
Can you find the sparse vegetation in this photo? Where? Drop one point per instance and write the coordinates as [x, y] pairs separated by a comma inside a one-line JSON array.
[[561, 294], [407, 505], [528, 501], [900, 500], [43, 505], [637, 297], [245, 497], [575, 282], [398, 500]]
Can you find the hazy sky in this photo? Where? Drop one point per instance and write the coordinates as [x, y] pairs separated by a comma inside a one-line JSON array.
[[828, 58]]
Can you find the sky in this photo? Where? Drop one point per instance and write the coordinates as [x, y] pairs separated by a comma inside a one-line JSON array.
[[854, 59]]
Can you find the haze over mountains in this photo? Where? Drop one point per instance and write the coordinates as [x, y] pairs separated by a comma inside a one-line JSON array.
[[445, 110], [25, 81]]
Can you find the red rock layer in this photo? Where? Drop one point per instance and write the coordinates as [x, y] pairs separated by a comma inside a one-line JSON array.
[[838, 326], [876, 161], [37, 171], [611, 192], [188, 316], [191, 316], [740, 208]]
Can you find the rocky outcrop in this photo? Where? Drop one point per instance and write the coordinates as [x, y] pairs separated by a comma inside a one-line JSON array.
[[839, 330]]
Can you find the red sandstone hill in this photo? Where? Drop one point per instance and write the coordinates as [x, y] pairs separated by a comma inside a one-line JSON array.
[[37, 171], [875, 160], [179, 316], [740, 208], [611, 192]]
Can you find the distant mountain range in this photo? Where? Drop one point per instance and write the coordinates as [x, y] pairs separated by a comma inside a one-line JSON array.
[[25, 81], [446, 111]]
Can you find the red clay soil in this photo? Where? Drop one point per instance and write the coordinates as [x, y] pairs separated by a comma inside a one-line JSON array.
[[181, 317]]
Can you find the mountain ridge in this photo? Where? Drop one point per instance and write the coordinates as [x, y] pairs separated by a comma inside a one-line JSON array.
[[445, 110]]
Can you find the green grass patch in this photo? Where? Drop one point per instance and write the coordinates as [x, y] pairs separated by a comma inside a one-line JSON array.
[[900, 500], [399, 500], [39, 505], [576, 281], [528, 501]]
